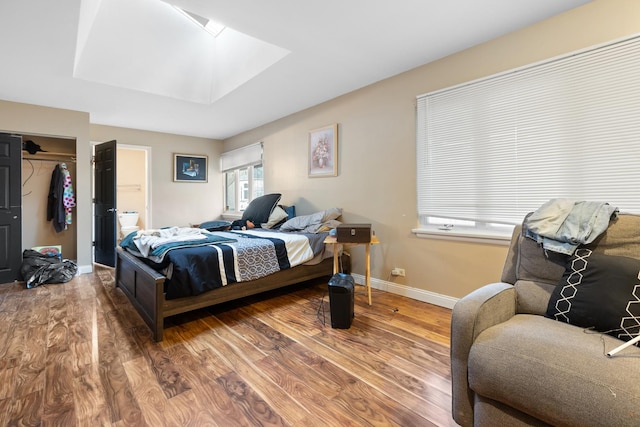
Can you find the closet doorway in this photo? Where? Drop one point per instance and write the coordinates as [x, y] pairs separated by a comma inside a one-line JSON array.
[[29, 160], [38, 165]]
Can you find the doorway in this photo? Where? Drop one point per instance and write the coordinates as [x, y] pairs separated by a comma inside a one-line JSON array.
[[133, 183], [132, 191]]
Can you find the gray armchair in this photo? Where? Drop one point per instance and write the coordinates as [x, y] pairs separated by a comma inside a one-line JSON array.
[[512, 366]]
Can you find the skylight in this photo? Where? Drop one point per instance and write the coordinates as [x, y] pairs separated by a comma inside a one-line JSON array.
[[212, 27], [156, 50]]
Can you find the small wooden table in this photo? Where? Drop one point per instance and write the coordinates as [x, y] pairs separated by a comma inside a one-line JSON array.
[[331, 240]]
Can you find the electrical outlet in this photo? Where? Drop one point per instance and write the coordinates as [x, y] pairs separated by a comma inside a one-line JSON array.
[[397, 272]]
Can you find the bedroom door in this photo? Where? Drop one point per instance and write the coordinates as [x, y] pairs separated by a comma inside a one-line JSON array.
[[10, 207], [104, 221]]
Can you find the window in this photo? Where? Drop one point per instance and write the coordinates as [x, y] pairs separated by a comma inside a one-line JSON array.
[[243, 177], [490, 151], [212, 27]]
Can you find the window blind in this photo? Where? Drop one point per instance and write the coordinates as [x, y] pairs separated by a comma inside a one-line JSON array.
[[494, 149], [241, 157]]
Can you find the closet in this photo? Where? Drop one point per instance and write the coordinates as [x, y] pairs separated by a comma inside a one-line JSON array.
[[37, 171]]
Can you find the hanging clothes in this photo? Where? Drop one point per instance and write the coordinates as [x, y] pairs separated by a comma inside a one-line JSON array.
[[55, 206], [68, 197]]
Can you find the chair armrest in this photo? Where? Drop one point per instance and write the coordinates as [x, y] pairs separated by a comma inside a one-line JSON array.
[[485, 307]]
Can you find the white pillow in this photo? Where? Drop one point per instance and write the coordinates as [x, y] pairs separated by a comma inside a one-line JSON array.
[[276, 216]]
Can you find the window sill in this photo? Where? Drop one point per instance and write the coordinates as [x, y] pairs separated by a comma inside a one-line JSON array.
[[231, 216], [468, 235]]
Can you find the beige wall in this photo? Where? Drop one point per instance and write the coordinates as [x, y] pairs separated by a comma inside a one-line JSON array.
[[174, 203], [32, 119], [377, 152], [376, 181]]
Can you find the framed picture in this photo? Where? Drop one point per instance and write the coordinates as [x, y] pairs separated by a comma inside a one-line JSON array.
[[323, 151], [189, 168]]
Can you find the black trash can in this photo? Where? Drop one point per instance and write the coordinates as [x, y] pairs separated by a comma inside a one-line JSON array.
[[341, 300]]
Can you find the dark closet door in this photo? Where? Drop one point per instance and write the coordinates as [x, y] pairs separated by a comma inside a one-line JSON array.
[[105, 204], [10, 207]]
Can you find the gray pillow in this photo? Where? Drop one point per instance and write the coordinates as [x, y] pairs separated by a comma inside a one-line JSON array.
[[310, 223]]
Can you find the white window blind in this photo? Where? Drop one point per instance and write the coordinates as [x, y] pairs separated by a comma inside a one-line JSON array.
[[241, 157], [494, 149]]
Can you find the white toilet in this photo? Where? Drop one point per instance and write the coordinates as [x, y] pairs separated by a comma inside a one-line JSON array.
[[128, 221]]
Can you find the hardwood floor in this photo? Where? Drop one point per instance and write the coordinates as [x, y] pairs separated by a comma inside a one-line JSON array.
[[78, 354]]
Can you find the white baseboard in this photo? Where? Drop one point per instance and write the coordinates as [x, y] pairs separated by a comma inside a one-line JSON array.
[[85, 269], [407, 291]]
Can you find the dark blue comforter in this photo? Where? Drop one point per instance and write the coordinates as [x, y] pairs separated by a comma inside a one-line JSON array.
[[193, 271]]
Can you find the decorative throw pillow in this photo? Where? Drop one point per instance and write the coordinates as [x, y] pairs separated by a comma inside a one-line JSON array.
[[277, 216], [601, 292], [260, 208], [290, 210], [215, 225]]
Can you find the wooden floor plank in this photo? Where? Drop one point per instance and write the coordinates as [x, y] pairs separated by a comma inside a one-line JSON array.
[[78, 354], [15, 344], [8, 382], [5, 411], [59, 407], [361, 365], [247, 378], [202, 370], [25, 410], [119, 398], [307, 393], [254, 406], [32, 364], [167, 374], [89, 399], [149, 394]]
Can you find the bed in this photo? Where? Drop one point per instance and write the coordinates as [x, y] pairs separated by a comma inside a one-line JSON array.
[[187, 277]]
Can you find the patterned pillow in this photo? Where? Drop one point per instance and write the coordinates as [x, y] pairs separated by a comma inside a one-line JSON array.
[[601, 292]]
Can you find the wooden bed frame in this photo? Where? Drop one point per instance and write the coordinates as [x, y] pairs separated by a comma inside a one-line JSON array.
[[145, 288]]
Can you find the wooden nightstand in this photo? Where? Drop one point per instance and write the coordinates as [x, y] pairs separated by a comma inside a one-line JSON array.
[[331, 240]]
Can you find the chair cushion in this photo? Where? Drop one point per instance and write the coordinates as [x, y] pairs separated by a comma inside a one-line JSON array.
[[621, 238], [533, 297], [536, 265], [556, 372], [535, 271]]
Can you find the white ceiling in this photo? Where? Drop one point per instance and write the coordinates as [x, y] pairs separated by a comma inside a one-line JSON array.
[[334, 47]]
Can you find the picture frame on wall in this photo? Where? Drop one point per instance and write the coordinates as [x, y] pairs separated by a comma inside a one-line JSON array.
[[189, 168], [323, 151]]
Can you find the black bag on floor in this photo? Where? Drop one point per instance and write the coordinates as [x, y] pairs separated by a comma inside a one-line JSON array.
[[37, 269], [341, 300]]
